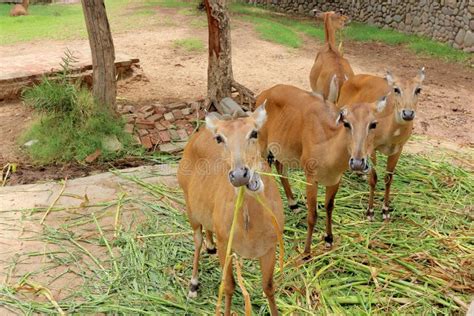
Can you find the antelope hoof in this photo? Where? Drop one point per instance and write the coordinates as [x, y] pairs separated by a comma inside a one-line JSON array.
[[295, 206], [329, 240], [193, 288], [306, 256], [211, 251], [192, 294], [370, 214], [385, 213]]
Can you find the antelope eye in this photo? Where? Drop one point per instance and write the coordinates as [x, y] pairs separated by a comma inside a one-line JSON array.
[[417, 91], [253, 134], [373, 125], [347, 125], [397, 90], [219, 139]]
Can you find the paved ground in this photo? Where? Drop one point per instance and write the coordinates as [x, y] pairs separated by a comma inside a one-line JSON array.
[[24, 247]]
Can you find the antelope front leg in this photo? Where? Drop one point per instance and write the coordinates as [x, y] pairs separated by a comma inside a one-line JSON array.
[[229, 284], [267, 265], [372, 183], [391, 164], [193, 287], [331, 192], [311, 199], [286, 185]]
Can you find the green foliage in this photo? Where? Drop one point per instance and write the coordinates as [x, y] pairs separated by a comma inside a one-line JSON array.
[[190, 44], [71, 124]]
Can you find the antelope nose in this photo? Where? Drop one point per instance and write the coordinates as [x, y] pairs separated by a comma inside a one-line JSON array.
[[408, 115], [357, 164], [239, 176]]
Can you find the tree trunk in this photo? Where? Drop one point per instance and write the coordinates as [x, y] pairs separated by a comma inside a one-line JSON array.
[[103, 53], [219, 71]]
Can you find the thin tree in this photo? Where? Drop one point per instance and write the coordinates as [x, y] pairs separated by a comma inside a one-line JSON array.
[[103, 52], [220, 79]]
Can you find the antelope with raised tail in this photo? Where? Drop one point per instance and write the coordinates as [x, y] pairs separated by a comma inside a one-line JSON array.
[[302, 130], [395, 122], [330, 69], [218, 159]]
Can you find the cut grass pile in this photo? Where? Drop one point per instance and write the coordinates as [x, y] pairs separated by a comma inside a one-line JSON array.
[[420, 263], [267, 21], [71, 125], [190, 44]]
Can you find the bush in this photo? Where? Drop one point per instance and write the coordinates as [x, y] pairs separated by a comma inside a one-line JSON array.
[[71, 125]]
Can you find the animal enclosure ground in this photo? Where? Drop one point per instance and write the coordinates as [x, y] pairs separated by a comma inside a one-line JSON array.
[[169, 44], [122, 244]]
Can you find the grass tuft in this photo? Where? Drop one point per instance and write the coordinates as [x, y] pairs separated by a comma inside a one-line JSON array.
[[71, 124], [189, 44]]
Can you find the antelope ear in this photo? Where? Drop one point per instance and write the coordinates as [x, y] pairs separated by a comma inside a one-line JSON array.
[[341, 116], [389, 78], [421, 75], [211, 121], [381, 104], [333, 90], [260, 115]]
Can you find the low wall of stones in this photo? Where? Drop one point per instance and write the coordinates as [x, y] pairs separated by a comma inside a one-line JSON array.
[[449, 21]]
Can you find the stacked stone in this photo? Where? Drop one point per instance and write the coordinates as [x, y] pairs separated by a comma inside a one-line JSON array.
[[449, 21], [162, 127]]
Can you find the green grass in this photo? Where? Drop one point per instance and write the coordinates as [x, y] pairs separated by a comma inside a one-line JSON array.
[[189, 44], [418, 264], [268, 22], [71, 125]]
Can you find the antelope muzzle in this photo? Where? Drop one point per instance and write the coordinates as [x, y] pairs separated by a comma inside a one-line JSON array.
[[359, 164], [408, 115], [239, 176]]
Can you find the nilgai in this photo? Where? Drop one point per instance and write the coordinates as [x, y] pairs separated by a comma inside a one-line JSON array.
[[395, 122], [330, 69], [217, 160], [20, 9], [302, 130]]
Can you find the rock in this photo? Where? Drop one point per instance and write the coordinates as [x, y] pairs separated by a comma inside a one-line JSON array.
[[173, 134], [129, 128], [229, 107], [460, 37], [93, 157], [164, 136], [30, 143], [471, 24], [397, 18], [146, 142], [169, 117], [172, 148], [469, 39], [111, 143]]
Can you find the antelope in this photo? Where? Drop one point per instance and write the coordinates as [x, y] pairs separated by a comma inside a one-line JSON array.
[[330, 69], [20, 9], [218, 159], [302, 130], [396, 121]]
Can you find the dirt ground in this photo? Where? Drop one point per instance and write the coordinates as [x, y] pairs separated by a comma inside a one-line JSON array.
[[445, 111]]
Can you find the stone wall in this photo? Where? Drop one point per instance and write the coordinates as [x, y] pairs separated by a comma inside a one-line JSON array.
[[449, 21]]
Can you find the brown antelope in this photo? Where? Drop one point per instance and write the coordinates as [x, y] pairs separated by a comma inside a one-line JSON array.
[[216, 161], [20, 9], [395, 122], [330, 69], [302, 130]]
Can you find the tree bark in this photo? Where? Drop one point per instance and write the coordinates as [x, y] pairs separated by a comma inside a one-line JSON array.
[[219, 71], [103, 52]]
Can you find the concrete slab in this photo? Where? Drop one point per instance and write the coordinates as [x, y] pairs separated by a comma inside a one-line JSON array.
[[25, 249]]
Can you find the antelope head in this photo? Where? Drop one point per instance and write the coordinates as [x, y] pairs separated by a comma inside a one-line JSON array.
[[359, 123], [405, 95], [239, 139], [338, 19]]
